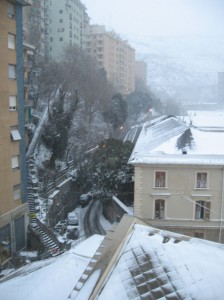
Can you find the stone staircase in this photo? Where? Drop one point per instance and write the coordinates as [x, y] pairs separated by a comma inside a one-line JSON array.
[[48, 241], [50, 246]]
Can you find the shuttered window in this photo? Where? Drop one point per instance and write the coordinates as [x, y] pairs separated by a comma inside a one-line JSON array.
[[12, 103], [15, 135], [160, 179], [11, 11], [16, 192], [11, 41], [12, 71], [160, 209], [202, 210], [201, 181], [15, 162]]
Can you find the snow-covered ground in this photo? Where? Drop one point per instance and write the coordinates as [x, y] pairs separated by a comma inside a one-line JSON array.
[[51, 279]]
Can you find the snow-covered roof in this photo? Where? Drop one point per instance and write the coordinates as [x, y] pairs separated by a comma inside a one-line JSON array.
[[142, 262], [164, 142], [53, 278], [206, 119], [155, 264]]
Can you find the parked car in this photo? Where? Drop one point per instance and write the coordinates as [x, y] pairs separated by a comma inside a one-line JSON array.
[[84, 199], [72, 219]]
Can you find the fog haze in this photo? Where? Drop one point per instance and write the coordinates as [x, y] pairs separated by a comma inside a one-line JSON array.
[[159, 17], [182, 41]]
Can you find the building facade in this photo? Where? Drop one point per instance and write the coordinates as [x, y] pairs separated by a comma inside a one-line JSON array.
[[114, 55], [141, 72], [13, 189], [179, 182], [65, 25]]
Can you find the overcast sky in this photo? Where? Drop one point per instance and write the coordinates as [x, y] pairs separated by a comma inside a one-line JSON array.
[[158, 17]]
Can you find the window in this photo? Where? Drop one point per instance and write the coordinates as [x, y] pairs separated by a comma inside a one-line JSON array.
[[12, 103], [61, 39], [11, 41], [61, 11], [159, 209], [15, 135], [16, 192], [11, 11], [60, 20], [15, 162], [202, 210], [160, 179], [12, 71], [201, 181]]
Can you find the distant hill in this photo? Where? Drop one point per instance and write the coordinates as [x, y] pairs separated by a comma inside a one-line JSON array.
[[182, 68]]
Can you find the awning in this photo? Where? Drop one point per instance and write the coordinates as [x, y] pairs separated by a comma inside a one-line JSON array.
[[15, 135]]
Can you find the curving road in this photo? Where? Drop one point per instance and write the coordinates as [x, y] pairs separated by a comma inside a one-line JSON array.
[[92, 219]]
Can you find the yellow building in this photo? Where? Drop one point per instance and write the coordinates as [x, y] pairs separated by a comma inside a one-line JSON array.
[[114, 55], [13, 194], [179, 178]]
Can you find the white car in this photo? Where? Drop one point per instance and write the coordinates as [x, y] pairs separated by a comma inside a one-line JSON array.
[[72, 219], [84, 199]]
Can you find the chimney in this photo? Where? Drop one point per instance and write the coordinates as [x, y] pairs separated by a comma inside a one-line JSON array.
[[184, 151]]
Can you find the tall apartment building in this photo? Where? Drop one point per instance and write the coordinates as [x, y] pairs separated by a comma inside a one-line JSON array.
[[141, 71], [13, 195], [65, 25], [113, 54]]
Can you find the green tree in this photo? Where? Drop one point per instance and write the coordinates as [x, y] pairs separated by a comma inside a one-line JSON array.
[[186, 140], [107, 170]]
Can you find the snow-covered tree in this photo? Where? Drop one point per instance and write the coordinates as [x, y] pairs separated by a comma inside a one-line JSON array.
[[107, 172]]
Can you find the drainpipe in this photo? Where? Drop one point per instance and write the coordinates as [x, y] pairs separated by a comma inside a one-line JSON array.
[[221, 215]]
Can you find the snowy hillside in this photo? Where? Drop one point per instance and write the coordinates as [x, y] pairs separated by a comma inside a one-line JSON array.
[[185, 68]]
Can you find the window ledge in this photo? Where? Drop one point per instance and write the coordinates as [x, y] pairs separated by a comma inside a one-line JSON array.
[[201, 195], [160, 194], [15, 169]]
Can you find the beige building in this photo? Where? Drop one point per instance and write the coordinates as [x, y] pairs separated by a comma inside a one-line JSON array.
[[114, 55], [179, 178], [13, 199], [141, 72]]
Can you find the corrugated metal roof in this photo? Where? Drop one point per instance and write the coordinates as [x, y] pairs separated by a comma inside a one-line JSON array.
[[164, 142]]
